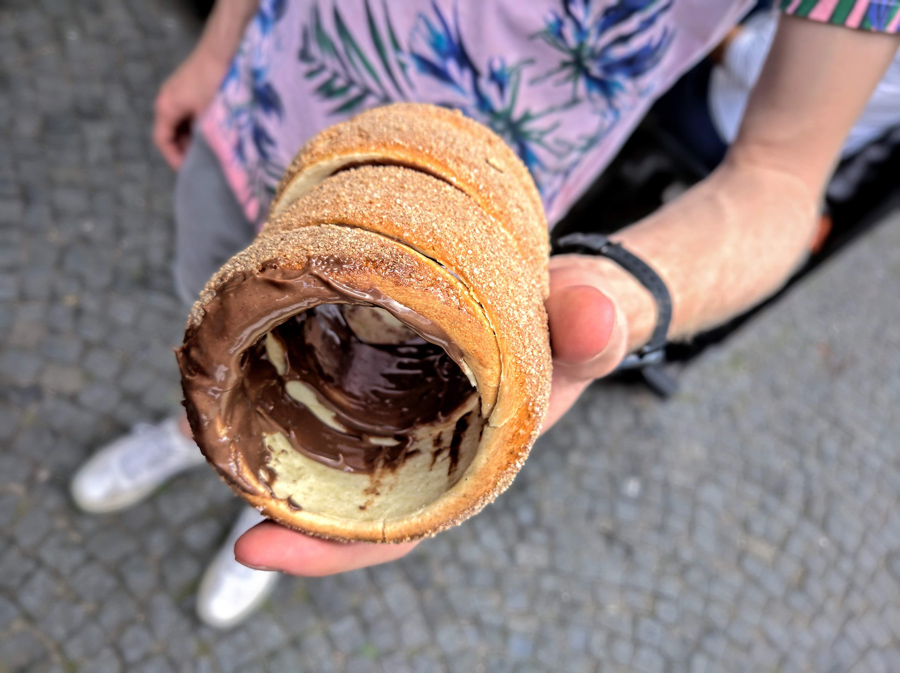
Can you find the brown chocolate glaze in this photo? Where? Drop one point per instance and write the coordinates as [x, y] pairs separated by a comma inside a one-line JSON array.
[[237, 395], [373, 390]]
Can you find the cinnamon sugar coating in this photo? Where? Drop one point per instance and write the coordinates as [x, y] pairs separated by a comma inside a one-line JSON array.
[[437, 218], [448, 145]]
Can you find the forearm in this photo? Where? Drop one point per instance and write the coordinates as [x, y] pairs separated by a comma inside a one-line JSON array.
[[225, 28], [187, 92], [816, 81], [735, 239], [717, 258]]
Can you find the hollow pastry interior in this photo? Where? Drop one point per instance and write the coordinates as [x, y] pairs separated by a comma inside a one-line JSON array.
[[351, 401], [430, 217]]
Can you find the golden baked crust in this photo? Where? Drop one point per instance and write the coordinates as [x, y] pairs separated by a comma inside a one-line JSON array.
[[404, 229], [355, 258], [445, 225], [444, 143]]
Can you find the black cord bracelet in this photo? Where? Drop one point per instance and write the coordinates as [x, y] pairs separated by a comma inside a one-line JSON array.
[[653, 352]]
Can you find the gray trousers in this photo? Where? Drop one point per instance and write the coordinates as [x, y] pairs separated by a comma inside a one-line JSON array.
[[210, 225]]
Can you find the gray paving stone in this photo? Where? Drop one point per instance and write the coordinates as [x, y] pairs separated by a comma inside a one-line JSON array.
[[157, 664], [99, 397], [414, 631], [519, 646], [400, 599], [64, 619], [202, 534], [347, 634], [385, 636], [16, 470], [103, 363], [140, 576], [180, 570], [9, 421], [69, 420], [20, 367], [135, 643], [118, 610], [110, 546], [93, 583], [286, 661], [65, 379], [21, 650], [267, 634], [621, 651], [38, 594], [32, 528], [14, 569], [87, 643], [8, 613], [234, 651], [9, 287], [748, 524]]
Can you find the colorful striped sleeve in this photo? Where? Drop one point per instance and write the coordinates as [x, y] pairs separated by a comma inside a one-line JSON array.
[[878, 15]]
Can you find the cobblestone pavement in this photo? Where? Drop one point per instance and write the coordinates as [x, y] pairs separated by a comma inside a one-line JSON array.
[[751, 524]]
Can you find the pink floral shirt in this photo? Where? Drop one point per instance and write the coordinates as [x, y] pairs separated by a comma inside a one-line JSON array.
[[564, 82]]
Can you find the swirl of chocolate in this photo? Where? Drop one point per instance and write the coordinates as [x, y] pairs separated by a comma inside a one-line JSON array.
[[358, 401], [299, 368]]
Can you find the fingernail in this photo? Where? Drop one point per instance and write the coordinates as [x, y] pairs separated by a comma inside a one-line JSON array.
[[582, 319], [255, 567]]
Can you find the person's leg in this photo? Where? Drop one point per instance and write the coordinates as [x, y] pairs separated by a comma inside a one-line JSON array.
[[229, 592], [209, 228], [210, 225]]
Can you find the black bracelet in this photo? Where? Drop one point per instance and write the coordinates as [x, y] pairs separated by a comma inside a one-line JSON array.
[[653, 352]]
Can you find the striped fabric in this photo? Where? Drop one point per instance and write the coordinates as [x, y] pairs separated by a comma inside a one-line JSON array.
[[878, 15]]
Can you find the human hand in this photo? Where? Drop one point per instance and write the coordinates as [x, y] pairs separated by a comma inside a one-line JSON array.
[[588, 339], [270, 546], [589, 332], [181, 100]]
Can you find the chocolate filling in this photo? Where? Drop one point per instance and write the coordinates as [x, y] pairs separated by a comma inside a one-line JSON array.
[[377, 393], [373, 395]]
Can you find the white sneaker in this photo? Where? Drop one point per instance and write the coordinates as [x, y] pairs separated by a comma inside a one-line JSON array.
[[229, 592], [132, 467]]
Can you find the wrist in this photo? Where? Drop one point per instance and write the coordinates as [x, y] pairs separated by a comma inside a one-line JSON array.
[[211, 55], [784, 171]]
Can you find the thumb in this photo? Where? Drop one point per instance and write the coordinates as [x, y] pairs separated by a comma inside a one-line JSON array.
[[582, 319], [587, 331]]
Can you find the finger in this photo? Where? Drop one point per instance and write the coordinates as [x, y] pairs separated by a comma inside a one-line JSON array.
[[270, 546], [564, 391], [165, 134], [581, 323], [570, 380], [587, 331], [167, 143]]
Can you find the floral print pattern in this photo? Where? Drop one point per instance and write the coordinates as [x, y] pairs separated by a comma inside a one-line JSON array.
[[598, 60], [562, 87]]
